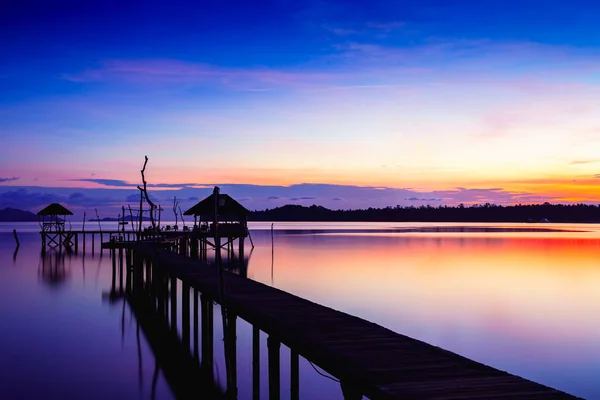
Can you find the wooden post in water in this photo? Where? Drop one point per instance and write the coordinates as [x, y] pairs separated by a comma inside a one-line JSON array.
[[159, 288], [194, 247], [148, 286], [207, 333], [273, 346], [16, 238], [294, 375], [350, 391], [231, 356], [173, 303], [93, 243], [138, 272], [76, 242], [255, 363], [196, 352], [185, 314]]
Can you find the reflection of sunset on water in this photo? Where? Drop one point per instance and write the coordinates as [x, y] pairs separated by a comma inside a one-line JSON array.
[[523, 302], [512, 300]]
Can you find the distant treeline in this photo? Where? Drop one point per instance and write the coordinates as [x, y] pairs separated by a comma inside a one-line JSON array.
[[476, 213]]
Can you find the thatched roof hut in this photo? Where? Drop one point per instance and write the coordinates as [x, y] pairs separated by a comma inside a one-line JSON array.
[[228, 209], [54, 209]]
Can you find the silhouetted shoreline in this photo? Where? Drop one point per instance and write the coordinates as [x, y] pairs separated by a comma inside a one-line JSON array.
[[576, 213], [573, 213]]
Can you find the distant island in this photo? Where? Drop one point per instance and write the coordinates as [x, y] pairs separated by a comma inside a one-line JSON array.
[[577, 213], [112, 219], [16, 215], [582, 213]]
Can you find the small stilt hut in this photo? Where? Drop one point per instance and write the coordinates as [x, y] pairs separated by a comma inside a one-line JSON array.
[[53, 223], [231, 220]]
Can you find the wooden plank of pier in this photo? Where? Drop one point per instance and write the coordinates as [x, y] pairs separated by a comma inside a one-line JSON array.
[[369, 358]]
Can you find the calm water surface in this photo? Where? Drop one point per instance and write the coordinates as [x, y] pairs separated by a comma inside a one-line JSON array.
[[524, 302]]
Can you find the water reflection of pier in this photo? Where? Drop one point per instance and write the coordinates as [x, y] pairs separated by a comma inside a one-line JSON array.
[[367, 359], [186, 359], [176, 358]]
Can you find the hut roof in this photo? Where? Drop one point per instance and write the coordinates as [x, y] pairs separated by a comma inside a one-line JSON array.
[[54, 209], [227, 206]]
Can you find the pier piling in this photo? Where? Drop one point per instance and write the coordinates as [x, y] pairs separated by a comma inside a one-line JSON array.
[[273, 346]]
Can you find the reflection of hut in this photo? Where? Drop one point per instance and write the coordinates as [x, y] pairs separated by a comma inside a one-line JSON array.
[[53, 270], [52, 221], [232, 221]]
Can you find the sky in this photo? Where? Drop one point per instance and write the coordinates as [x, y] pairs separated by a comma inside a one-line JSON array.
[[345, 104]]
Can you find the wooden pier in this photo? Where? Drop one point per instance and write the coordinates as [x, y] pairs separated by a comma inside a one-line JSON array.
[[366, 358]]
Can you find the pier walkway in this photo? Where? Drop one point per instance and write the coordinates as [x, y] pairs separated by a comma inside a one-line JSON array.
[[368, 359]]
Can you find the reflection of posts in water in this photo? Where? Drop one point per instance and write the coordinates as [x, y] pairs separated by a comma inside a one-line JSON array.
[[114, 268], [152, 288], [53, 269]]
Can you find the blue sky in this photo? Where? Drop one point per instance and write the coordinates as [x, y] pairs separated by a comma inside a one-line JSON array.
[[426, 98]]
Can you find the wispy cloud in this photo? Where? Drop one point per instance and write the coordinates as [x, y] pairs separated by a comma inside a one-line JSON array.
[[176, 71], [386, 26], [423, 199], [340, 31], [302, 198], [122, 183], [9, 179], [579, 162], [255, 197]]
